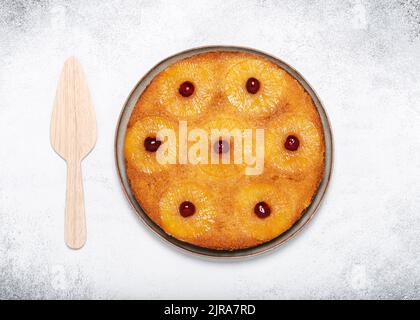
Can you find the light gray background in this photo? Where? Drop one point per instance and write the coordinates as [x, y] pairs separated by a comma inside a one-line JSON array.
[[363, 59]]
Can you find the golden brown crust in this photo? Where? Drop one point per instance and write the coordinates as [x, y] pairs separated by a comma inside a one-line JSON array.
[[227, 231]]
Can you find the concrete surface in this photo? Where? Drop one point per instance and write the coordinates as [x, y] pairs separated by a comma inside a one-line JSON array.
[[363, 59]]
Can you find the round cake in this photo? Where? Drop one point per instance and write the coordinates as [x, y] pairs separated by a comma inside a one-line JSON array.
[[224, 150]]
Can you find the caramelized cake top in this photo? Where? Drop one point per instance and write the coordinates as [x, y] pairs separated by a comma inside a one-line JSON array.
[[243, 185]]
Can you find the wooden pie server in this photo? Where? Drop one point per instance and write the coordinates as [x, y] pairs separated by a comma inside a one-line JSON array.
[[73, 136]]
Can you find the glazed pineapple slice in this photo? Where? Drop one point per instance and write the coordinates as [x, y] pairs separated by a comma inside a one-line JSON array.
[[187, 210], [186, 88], [255, 87], [142, 144], [225, 146], [264, 211], [294, 145]]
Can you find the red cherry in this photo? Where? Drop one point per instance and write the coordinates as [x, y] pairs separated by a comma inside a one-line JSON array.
[[221, 146], [151, 144], [252, 85], [262, 210], [291, 143], [186, 209], [186, 89]]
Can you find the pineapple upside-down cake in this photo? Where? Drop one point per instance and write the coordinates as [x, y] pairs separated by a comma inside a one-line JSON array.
[[218, 204]]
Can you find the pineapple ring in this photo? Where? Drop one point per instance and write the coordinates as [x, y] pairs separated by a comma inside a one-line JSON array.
[[266, 100], [294, 164], [283, 211], [193, 226], [135, 152], [222, 170], [170, 80]]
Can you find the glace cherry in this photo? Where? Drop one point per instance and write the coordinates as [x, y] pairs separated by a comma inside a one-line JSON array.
[[252, 85], [186, 89], [221, 146], [262, 210], [186, 209], [291, 143], [151, 144]]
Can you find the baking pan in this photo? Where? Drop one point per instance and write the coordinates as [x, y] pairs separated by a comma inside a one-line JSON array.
[[120, 161]]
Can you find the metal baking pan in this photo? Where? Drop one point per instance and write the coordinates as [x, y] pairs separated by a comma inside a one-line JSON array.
[[248, 252]]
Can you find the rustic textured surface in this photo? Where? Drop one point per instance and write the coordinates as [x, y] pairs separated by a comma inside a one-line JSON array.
[[360, 56]]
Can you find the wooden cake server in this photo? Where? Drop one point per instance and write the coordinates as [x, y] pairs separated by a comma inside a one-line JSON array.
[[73, 136]]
